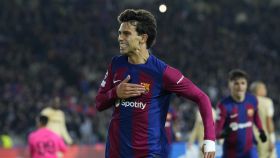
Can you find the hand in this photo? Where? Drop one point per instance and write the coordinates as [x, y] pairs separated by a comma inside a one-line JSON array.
[[208, 149], [127, 90], [270, 147], [207, 154], [262, 136]]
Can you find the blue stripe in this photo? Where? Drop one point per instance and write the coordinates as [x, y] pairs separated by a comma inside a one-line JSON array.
[[126, 126]]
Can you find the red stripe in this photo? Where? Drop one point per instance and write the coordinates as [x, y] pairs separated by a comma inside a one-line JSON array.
[[232, 146], [114, 131], [249, 131], [114, 150]]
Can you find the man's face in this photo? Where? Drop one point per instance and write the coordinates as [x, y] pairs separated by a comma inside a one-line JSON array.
[[129, 39], [56, 103], [261, 90], [238, 87]]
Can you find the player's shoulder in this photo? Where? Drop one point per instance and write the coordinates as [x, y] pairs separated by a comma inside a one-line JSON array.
[[34, 134], [251, 98], [46, 110], [118, 59], [264, 99], [226, 101], [156, 63]]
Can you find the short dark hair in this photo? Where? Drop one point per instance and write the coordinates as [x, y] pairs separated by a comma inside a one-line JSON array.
[[237, 73], [146, 23], [43, 120]]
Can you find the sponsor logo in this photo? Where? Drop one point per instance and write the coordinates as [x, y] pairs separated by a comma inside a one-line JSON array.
[[235, 126], [134, 104]]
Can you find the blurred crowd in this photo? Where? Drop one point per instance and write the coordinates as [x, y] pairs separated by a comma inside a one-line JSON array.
[[62, 48]]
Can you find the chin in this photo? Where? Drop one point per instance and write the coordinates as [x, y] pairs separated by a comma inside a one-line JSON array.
[[123, 52], [241, 94]]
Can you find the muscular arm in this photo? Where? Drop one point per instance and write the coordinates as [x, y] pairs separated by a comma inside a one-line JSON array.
[[175, 82]]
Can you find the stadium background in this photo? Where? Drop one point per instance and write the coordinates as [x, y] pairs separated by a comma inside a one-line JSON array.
[[62, 48]]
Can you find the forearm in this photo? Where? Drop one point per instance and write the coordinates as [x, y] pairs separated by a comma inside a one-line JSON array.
[[105, 100], [205, 110], [257, 121], [175, 82], [270, 130], [270, 125]]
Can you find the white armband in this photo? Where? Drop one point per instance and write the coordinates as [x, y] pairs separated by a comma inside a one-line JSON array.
[[209, 146]]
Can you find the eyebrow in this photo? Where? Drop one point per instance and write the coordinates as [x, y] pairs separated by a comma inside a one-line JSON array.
[[124, 32]]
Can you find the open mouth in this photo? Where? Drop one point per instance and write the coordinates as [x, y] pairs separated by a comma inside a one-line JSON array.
[[122, 46]]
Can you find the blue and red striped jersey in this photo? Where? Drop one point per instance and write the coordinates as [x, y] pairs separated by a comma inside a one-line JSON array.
[[239, 117], [137, 125]]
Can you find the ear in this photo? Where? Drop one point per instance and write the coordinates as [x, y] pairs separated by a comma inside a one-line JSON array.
[[144, 38]]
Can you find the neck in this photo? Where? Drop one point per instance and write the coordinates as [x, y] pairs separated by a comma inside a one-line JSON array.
[[139, 57], [41, 126], [238, 98]]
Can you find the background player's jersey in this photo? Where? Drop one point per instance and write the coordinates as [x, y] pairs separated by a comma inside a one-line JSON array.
[[266, 109], [170, 119], [57, 123], [239, 117], [137, 125], [43, 143]]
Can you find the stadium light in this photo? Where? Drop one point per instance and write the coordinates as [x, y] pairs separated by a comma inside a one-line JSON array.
[[162, 8]]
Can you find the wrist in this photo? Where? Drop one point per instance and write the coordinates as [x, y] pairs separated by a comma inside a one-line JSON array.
[[272, 138], [209, 146]]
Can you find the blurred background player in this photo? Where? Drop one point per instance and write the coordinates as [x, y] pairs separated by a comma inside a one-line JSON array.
[[44, 143], [56, 121], [169, 127], [266, 112], [197, 132], [6, 141], [235, 117]]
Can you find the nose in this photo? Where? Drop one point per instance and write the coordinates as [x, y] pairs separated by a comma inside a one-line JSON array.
[[120, 38]]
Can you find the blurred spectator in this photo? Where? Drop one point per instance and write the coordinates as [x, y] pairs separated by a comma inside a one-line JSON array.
[[6, 141], [61, 48]]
